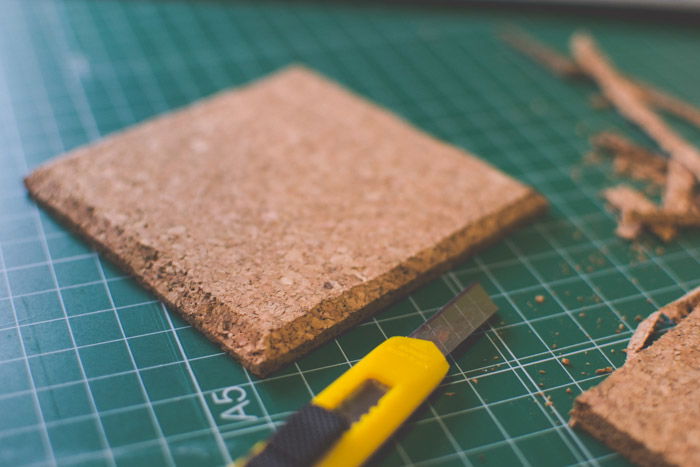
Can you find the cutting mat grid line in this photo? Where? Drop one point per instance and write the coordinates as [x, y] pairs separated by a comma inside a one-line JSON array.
[[98, 372], [548, 356]]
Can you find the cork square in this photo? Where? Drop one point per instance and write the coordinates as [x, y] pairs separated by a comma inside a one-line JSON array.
[[274, 216]]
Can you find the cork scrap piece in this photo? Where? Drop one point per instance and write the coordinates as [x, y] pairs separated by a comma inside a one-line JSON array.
[[649, 410], [275, 216], [639, 169], [640, 210], [684, 166], [634, 100], [681, 308], [634, 207], [642, 334], [636, 211], [681, 176], [632, 159], [674, 311]]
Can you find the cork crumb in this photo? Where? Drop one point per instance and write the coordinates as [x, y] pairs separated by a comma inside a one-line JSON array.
[[603, 371], [547, 398], [566, 361], [569, 391], [450, 394], [539, 298]]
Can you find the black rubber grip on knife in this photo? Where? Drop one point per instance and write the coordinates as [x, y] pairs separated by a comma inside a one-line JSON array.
[[303, 439]]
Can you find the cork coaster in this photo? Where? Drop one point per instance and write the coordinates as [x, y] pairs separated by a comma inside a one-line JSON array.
[[276, 215], [649, 410]]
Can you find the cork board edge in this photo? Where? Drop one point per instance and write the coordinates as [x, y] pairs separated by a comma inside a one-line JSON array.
[[456, 248], [81, 219], [585, 417]]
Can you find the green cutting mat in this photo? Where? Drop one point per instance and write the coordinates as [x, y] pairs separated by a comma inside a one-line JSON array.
[[94, 371]]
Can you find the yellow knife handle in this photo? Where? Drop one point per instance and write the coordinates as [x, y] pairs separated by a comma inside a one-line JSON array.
[[407, 369], [410, 368]]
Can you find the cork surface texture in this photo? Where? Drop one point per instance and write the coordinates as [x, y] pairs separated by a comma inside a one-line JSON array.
[[276, 215], [649, 410]]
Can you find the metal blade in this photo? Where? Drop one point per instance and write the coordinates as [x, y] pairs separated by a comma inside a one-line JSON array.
[[450, 326]]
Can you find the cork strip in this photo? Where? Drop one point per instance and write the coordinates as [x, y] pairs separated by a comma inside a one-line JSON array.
[[675, 311], [556, 62], [649, 410], [670, 104], [633, 207], [275, 216], [563, 66], [655, 217]]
